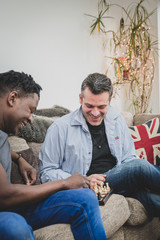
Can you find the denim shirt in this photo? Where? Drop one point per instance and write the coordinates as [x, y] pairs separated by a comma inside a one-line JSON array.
[[67, 148]]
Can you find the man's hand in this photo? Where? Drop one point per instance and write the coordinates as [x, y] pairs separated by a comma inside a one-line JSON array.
[[76, 181], [27, 171], [96, 178]]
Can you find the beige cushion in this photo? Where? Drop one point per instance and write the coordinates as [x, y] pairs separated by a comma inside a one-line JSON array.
[[119, 235], [148, 231], [114, 213], [54, 232], [138, 215], [128, 117], [17, 144]]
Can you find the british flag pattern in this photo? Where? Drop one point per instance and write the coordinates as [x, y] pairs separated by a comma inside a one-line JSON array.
[[146, 139]]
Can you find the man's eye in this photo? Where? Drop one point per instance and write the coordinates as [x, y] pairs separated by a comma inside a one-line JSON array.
[[102, 107], [31, 111], [89, 106]]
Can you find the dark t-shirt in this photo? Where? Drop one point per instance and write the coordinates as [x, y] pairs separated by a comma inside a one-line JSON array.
[[5, 155], [102, 159]]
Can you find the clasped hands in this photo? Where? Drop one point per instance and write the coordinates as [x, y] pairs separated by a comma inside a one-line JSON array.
[[98, 179]]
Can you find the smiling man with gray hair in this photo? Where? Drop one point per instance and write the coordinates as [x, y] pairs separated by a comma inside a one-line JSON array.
[[95, 141]]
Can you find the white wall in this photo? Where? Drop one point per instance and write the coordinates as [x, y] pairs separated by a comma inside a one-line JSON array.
[[51, 40], [158, 21]]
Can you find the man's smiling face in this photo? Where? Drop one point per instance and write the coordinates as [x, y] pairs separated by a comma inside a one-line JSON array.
[[20, 113], [94, 106]]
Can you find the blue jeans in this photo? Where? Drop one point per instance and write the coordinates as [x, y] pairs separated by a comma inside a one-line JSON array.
[[138, 179], [13, 226], [78, 207]]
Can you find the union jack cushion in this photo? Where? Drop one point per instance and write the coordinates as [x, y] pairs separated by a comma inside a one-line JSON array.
[[146, 139]]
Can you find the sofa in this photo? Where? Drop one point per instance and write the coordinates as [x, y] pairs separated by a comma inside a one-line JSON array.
[[123, 218]]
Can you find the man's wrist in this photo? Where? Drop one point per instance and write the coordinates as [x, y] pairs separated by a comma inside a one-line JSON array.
[[17, 159]]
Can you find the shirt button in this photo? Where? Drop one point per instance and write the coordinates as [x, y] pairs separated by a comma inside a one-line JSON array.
[[89, 153]]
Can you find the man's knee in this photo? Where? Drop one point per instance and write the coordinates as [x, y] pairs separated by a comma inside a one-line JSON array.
[[88, 198], [15, 227], [137, 165]]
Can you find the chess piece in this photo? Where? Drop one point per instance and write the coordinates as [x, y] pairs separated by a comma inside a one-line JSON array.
[[103, 190], [108, 188], [99, 196], [96, 190]]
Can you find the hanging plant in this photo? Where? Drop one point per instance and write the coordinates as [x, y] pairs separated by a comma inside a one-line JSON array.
[[136, 46], [133, 58]]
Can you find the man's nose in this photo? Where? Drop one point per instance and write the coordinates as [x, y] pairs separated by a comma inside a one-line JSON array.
[[30, 119], [95, 112]]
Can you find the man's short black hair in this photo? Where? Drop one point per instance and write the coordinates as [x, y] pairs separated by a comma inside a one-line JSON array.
[[97, 83], [20, 82]]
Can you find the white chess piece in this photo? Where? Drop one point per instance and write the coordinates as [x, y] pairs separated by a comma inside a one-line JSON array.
[[108, 188]]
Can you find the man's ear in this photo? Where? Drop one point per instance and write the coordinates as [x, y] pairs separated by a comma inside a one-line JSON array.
[[12, 98], [80, 98]]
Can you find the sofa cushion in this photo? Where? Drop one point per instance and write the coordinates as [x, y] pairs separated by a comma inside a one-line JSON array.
[[32, 160], [54, 232], [148, 231], [36, 147], [128, 118], [146, 139], [55, 111], [138, 215], [141, 118], [36, 131], [17, 144], [114, 213], [42, 119]]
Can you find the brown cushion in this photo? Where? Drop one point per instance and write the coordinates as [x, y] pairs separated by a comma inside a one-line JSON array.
[[36, 147], [28, 155], [144, 117]]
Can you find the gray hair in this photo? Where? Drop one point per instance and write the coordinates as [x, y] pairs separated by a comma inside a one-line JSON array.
[[97, 83]]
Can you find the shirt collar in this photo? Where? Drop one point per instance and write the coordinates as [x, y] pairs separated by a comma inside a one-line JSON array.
[[79, 119]]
